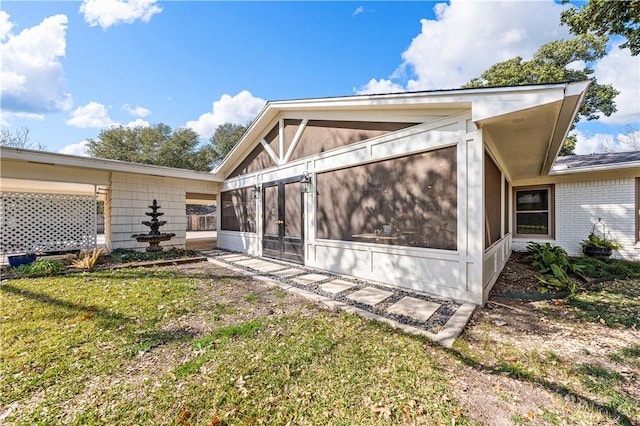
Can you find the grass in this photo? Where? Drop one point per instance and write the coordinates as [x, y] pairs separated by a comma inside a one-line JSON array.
[[108, 348], [149, 346], [613, 303], [600, 382]]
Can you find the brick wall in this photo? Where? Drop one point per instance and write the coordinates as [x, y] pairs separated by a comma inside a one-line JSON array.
[[578, 205], [130, 198]]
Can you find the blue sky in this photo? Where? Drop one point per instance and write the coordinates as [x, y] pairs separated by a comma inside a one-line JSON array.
[[71, 69]]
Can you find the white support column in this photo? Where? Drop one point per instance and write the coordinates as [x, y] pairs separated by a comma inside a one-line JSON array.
[[475, 213], [281, 140]]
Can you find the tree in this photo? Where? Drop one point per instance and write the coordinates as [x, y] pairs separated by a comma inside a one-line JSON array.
[[556, 62], [628, 141], [225, 137], [606, 18], [158, 145], [19, 139]]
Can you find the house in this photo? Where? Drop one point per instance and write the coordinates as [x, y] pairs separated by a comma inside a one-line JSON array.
[[429, 191], [598, 192]]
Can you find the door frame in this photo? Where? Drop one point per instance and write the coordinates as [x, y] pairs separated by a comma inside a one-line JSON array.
[[285, 255]]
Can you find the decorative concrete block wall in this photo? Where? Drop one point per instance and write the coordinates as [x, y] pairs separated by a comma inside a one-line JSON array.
[[131, 195], [578, 205]]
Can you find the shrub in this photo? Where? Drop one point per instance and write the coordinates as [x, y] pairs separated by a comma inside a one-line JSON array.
[[87, 259], [41, 267], [596, 241], [555, 266]]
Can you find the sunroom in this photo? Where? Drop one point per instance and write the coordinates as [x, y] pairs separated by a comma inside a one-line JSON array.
[[410, 189]]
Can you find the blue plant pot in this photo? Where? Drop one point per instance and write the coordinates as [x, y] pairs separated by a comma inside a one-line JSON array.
[[25, 259]]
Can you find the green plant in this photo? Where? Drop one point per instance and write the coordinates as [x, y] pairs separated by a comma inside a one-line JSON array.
[[41, 267], [555, 266], [88, 259], [595, 240]]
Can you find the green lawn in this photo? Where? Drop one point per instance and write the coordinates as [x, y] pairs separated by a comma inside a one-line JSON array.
[[117, 348], [156, 346]]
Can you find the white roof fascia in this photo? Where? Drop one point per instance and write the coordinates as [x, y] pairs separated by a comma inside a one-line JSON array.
[[58, 159], [557, 140], [557, 171]]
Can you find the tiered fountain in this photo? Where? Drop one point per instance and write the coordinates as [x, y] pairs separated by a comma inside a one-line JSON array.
[[154, 236]]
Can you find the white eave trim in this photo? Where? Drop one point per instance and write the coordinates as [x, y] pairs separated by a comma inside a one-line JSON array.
[[458, 98], [56, 159], [558, 171]]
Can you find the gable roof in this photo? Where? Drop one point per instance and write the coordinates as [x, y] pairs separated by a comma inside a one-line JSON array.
[[486, 104], [596, 162]]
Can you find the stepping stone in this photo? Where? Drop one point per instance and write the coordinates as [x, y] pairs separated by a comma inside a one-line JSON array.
[[336, 286], [250, 262], [414, 308], [370, 296], [267, 267], [288, 272], [310, 279], [232, 257]]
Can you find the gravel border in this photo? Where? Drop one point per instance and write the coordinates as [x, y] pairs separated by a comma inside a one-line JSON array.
[[433, 325]]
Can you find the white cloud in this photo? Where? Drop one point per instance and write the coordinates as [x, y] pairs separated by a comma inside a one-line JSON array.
[[379, 86], [5, 25], [137, 111], [80, 148], [139, 122], [31, 71], [106, 13], [467, 37], [93, 114], [605, 142], [358, 11], [238, 109], [621, 70]]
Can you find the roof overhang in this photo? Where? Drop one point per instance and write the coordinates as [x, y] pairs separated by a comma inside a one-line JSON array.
[[528, 137], [533, 119], [55, 161]]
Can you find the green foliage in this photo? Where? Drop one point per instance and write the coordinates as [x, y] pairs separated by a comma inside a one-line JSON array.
[[550, 64], [606, 18], [158, 145], [608, 268], [569, 146], [225, 137], [595, 240], [41, 267], [555, 267], [127, 255]]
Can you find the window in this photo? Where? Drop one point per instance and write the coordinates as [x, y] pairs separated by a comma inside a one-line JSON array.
[[534, 211]]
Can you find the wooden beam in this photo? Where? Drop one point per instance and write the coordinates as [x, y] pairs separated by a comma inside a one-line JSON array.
[[296, 139], [271, 152]]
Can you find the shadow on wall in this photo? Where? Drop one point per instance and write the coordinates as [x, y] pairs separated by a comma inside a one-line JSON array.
[[409, 201]]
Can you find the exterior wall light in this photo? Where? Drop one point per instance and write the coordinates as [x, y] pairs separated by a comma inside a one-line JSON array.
[[305, 183], [255, 192]]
